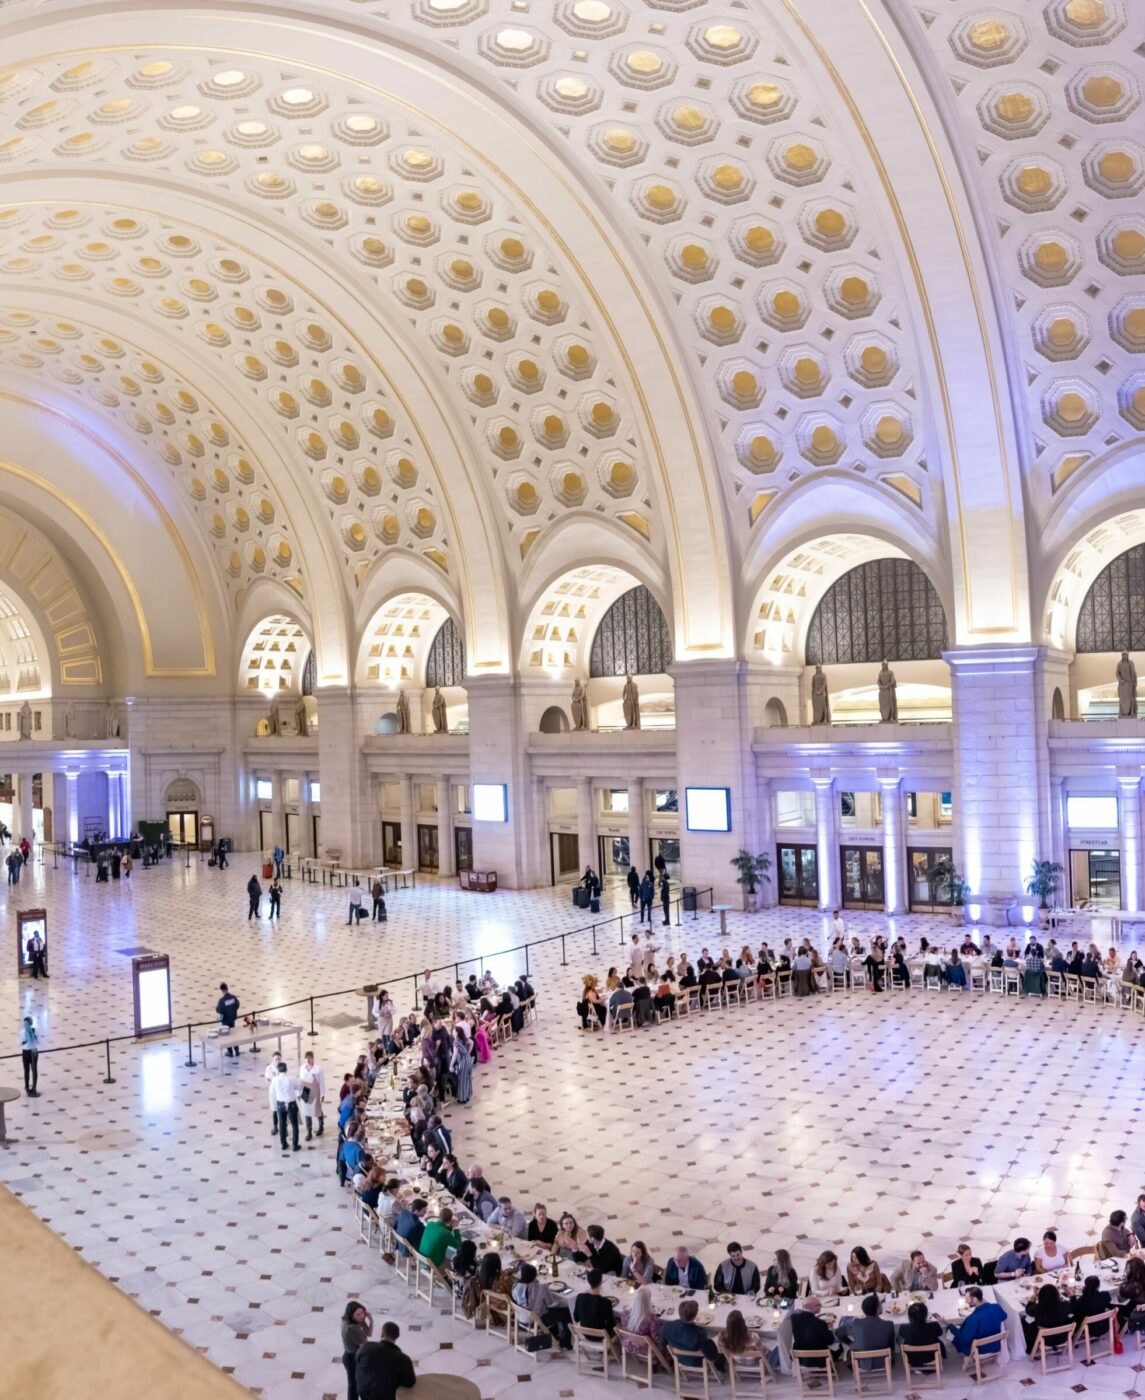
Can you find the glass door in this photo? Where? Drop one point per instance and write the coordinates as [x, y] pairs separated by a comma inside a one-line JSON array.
[[316, 827], [863, 886], [669, 848], [463, 847], [293, 830], [1095, 879], [184, 826], [613, 857], [799, 875], [921, 890], [564, 857], [266, 831], [427, 849], [392, 844]]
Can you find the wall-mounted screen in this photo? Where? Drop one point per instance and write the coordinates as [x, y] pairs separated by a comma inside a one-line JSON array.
[[490, 802], [708, 809], [1091, 813]]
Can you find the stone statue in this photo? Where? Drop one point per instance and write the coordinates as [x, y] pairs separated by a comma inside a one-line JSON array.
[[579, 706], [24, 721], [820, 700], [403, 713], [111, 720], [631, 704], [69, 721], [1126, 688], [440, 720], [888, 695]]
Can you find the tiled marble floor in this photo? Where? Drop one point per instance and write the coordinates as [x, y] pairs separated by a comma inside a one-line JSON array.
[[882, 1121]]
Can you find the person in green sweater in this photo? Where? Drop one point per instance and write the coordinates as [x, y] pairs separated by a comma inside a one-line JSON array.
[[438, 1236]]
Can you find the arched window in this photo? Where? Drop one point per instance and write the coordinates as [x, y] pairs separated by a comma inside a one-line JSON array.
[[310, 674], [445, 664], [1112, 616], [554, 721], [884, 608], [633, 638]]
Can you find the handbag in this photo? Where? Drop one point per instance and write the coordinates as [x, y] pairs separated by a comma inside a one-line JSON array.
[[306, 1093]]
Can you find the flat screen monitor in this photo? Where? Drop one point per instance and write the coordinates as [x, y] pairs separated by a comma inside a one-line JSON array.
[[490, 802], [708, 809]]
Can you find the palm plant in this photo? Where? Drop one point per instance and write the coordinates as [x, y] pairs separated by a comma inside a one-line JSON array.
[[1045, 880], [753, 870]]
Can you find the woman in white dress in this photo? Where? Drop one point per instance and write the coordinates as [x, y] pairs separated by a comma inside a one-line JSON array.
[[313, 1079]]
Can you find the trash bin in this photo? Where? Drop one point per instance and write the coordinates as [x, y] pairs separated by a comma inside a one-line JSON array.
[[690, 899], [267, 870]]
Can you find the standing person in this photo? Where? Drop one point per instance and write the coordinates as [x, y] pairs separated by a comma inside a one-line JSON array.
[[357, 1324], [378, 896], [227, 1010], [254, 894], [278, 856], [286, 1092], [128, 862], [30, 1054], [355, 901], [383, 1366], [36, 955], [461, 1066], [665, 899], [275, 893], [313, 1081], [15, 863], [633, 886], [221, 852], [270, 1074], [25, 849], [647, 891]]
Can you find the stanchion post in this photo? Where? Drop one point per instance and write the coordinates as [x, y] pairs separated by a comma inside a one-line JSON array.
[[526, 960], [679, 909], [107, 1048], [190, 1061], [594, 940], [564, 960], [312, 1031]]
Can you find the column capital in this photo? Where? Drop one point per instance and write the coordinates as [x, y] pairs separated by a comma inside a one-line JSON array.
[[889, 779], [1129, 778]]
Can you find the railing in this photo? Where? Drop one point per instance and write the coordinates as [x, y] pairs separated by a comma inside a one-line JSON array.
[[695, 902]]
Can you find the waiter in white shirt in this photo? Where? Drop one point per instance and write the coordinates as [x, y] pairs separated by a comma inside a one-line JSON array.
[[313, 1081], [287, 1091], [271, 1074]]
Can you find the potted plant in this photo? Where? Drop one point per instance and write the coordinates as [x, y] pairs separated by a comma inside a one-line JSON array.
[[1045, 881], [753, 871]]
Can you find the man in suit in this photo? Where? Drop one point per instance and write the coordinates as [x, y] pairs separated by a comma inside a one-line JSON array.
[[985, 1320], [593, 1310], [869, 1332], [410, 1224], [227, 1010], [381, 1367], [917, 1275], [684, 1335], [808, 1330], [642, 1004], [685, 1272], [600, 1253]]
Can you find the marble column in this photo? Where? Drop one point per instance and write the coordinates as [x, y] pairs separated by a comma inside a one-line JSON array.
[[409, 823], [113, 826], [348, 825], [1129, 793], [445, 862], [277, 811], [894, 844], [826, 841], [24, 805], [67, 820], [305, 815], [638, 827], [586, 822], [499, 755]]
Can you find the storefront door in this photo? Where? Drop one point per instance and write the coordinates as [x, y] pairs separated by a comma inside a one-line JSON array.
[[799, 876], [921, 891], [463, 847], [184, 827], [564, 857], [1095, 879], [863, 886], [392, 844], [427, 849]]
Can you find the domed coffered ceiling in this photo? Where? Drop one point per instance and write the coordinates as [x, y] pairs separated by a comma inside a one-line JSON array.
[[435, 281]]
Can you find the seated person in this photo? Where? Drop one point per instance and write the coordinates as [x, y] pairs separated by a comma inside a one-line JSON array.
[[954, 973], [683, 1335], [868, 1332], [600, 1253], [809, 1332], [917, 1275], [1093, 1300], [687, 976], [508, 1218], [642, 1003], [781, 1280], [1091, 967], [542, 1228], [1014, 1263], [593, 1310], [1049, 1309], [921, 1330], [534, 1297], [1049, 1255], [983, 1320], [409, 1224], [1116, 1238], [737, 1274], [827, 1279], [685, 1272], [966, 1268], [620, 1004], [665, 999]]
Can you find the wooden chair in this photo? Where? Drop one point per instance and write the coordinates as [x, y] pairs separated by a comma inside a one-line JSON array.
[[783, 983], [505, 1026], [426, 1277], [694, 1374], [1083, 1251], [750, 990], [1056, 1342], [500, 1315], [684, 1002], [1055, 985], [622, 1019], [858, 977], [840, 981], [1089, 991], [809, 1376], [733, 993], [749, 1373], [997, 981], [981, 1361], [916, 978], [594, 1345], [1086, 1338], [368, 1222], [873, 1380], [1139, 1000], [642, 1355], [1072, 987], [767, 989], [456, 1290], [977, 979], [714, 996], [922, 1366], [530, 1328], [1013, 981]]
